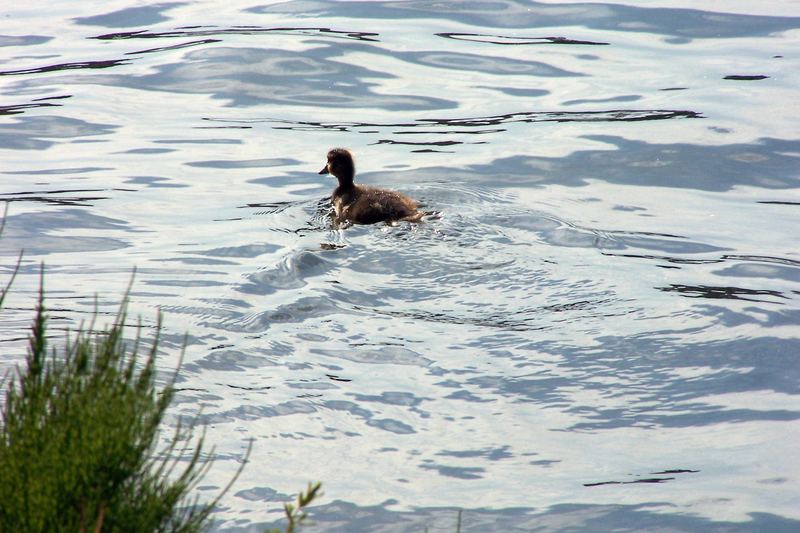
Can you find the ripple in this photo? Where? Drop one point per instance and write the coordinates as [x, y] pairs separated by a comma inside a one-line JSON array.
[[460, 472], [391, 355], [247, 250], [727, 293], [312, 77], [101, 64], [179, 46], [663, 476], [129, 17], [291, 273], [42, 131], [525, 15], [518, 91], [759, 270], [489, 126], [623, 98], [616, 115], [230, 361], [75, 197], [703, 167], [336, 517], [155, 182], [513, 40], [201, 31], [248, 163], [21, 108], [253, 412], [23, 40], [42, 233], [496, 65]]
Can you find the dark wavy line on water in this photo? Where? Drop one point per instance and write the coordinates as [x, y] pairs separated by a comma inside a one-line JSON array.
[[761, 259], [43, 197], [722, 293], [79, 201], [193, 31], [35, 103], [21, 108], [59, 97], [672, 471], [67, 66], [449, 132], [174, 46], [739, 77], [514, 41], [668, 259], [422, 143], [490, 321], [643, 480], [708, 261], [500, 320], [613, 115], [635, 233], [778, 202], [62, 191]]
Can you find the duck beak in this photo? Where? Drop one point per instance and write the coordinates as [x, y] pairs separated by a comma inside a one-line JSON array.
[[325, 170]]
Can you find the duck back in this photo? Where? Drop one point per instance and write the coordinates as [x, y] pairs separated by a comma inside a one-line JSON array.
[[368, 205]]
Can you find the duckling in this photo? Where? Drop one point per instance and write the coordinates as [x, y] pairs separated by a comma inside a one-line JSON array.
[[360, 204]]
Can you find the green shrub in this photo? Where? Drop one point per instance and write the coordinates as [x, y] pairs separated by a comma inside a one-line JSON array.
[[78, 440]]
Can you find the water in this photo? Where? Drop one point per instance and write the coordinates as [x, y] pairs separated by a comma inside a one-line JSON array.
[[600, 331]]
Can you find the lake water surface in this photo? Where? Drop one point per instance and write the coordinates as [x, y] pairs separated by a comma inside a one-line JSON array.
[[600, 330]]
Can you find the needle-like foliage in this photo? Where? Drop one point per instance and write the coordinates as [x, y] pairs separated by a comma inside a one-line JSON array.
[[295, 513], [79, 440]]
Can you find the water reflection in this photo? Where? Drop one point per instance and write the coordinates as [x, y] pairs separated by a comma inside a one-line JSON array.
[[42, 131], [344, 517], [611, 266], [766, 164], [677, 23], [239, 75], [496, 65], [39, 233], [23, 40], [130, 17]]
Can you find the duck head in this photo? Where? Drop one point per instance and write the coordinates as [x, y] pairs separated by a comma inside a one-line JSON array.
[[340, 164]]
